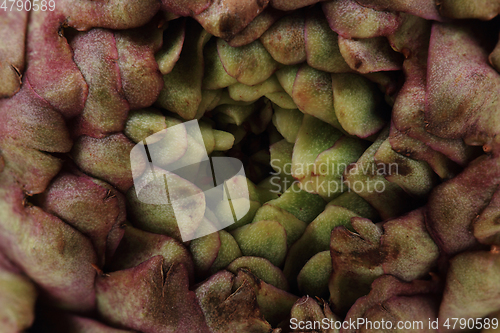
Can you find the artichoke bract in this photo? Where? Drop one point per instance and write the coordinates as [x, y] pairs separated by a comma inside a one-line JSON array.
[[249, 166]]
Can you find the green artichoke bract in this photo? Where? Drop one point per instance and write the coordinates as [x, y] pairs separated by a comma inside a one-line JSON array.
[[249, 166], [17, 298]]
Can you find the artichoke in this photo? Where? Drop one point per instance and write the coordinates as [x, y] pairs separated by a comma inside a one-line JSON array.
[[252, 166]]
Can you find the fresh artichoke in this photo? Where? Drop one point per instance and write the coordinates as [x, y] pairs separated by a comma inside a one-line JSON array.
[[369, 132]]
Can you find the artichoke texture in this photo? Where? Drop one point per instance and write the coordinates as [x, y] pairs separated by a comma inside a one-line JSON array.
[[249, 166]]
